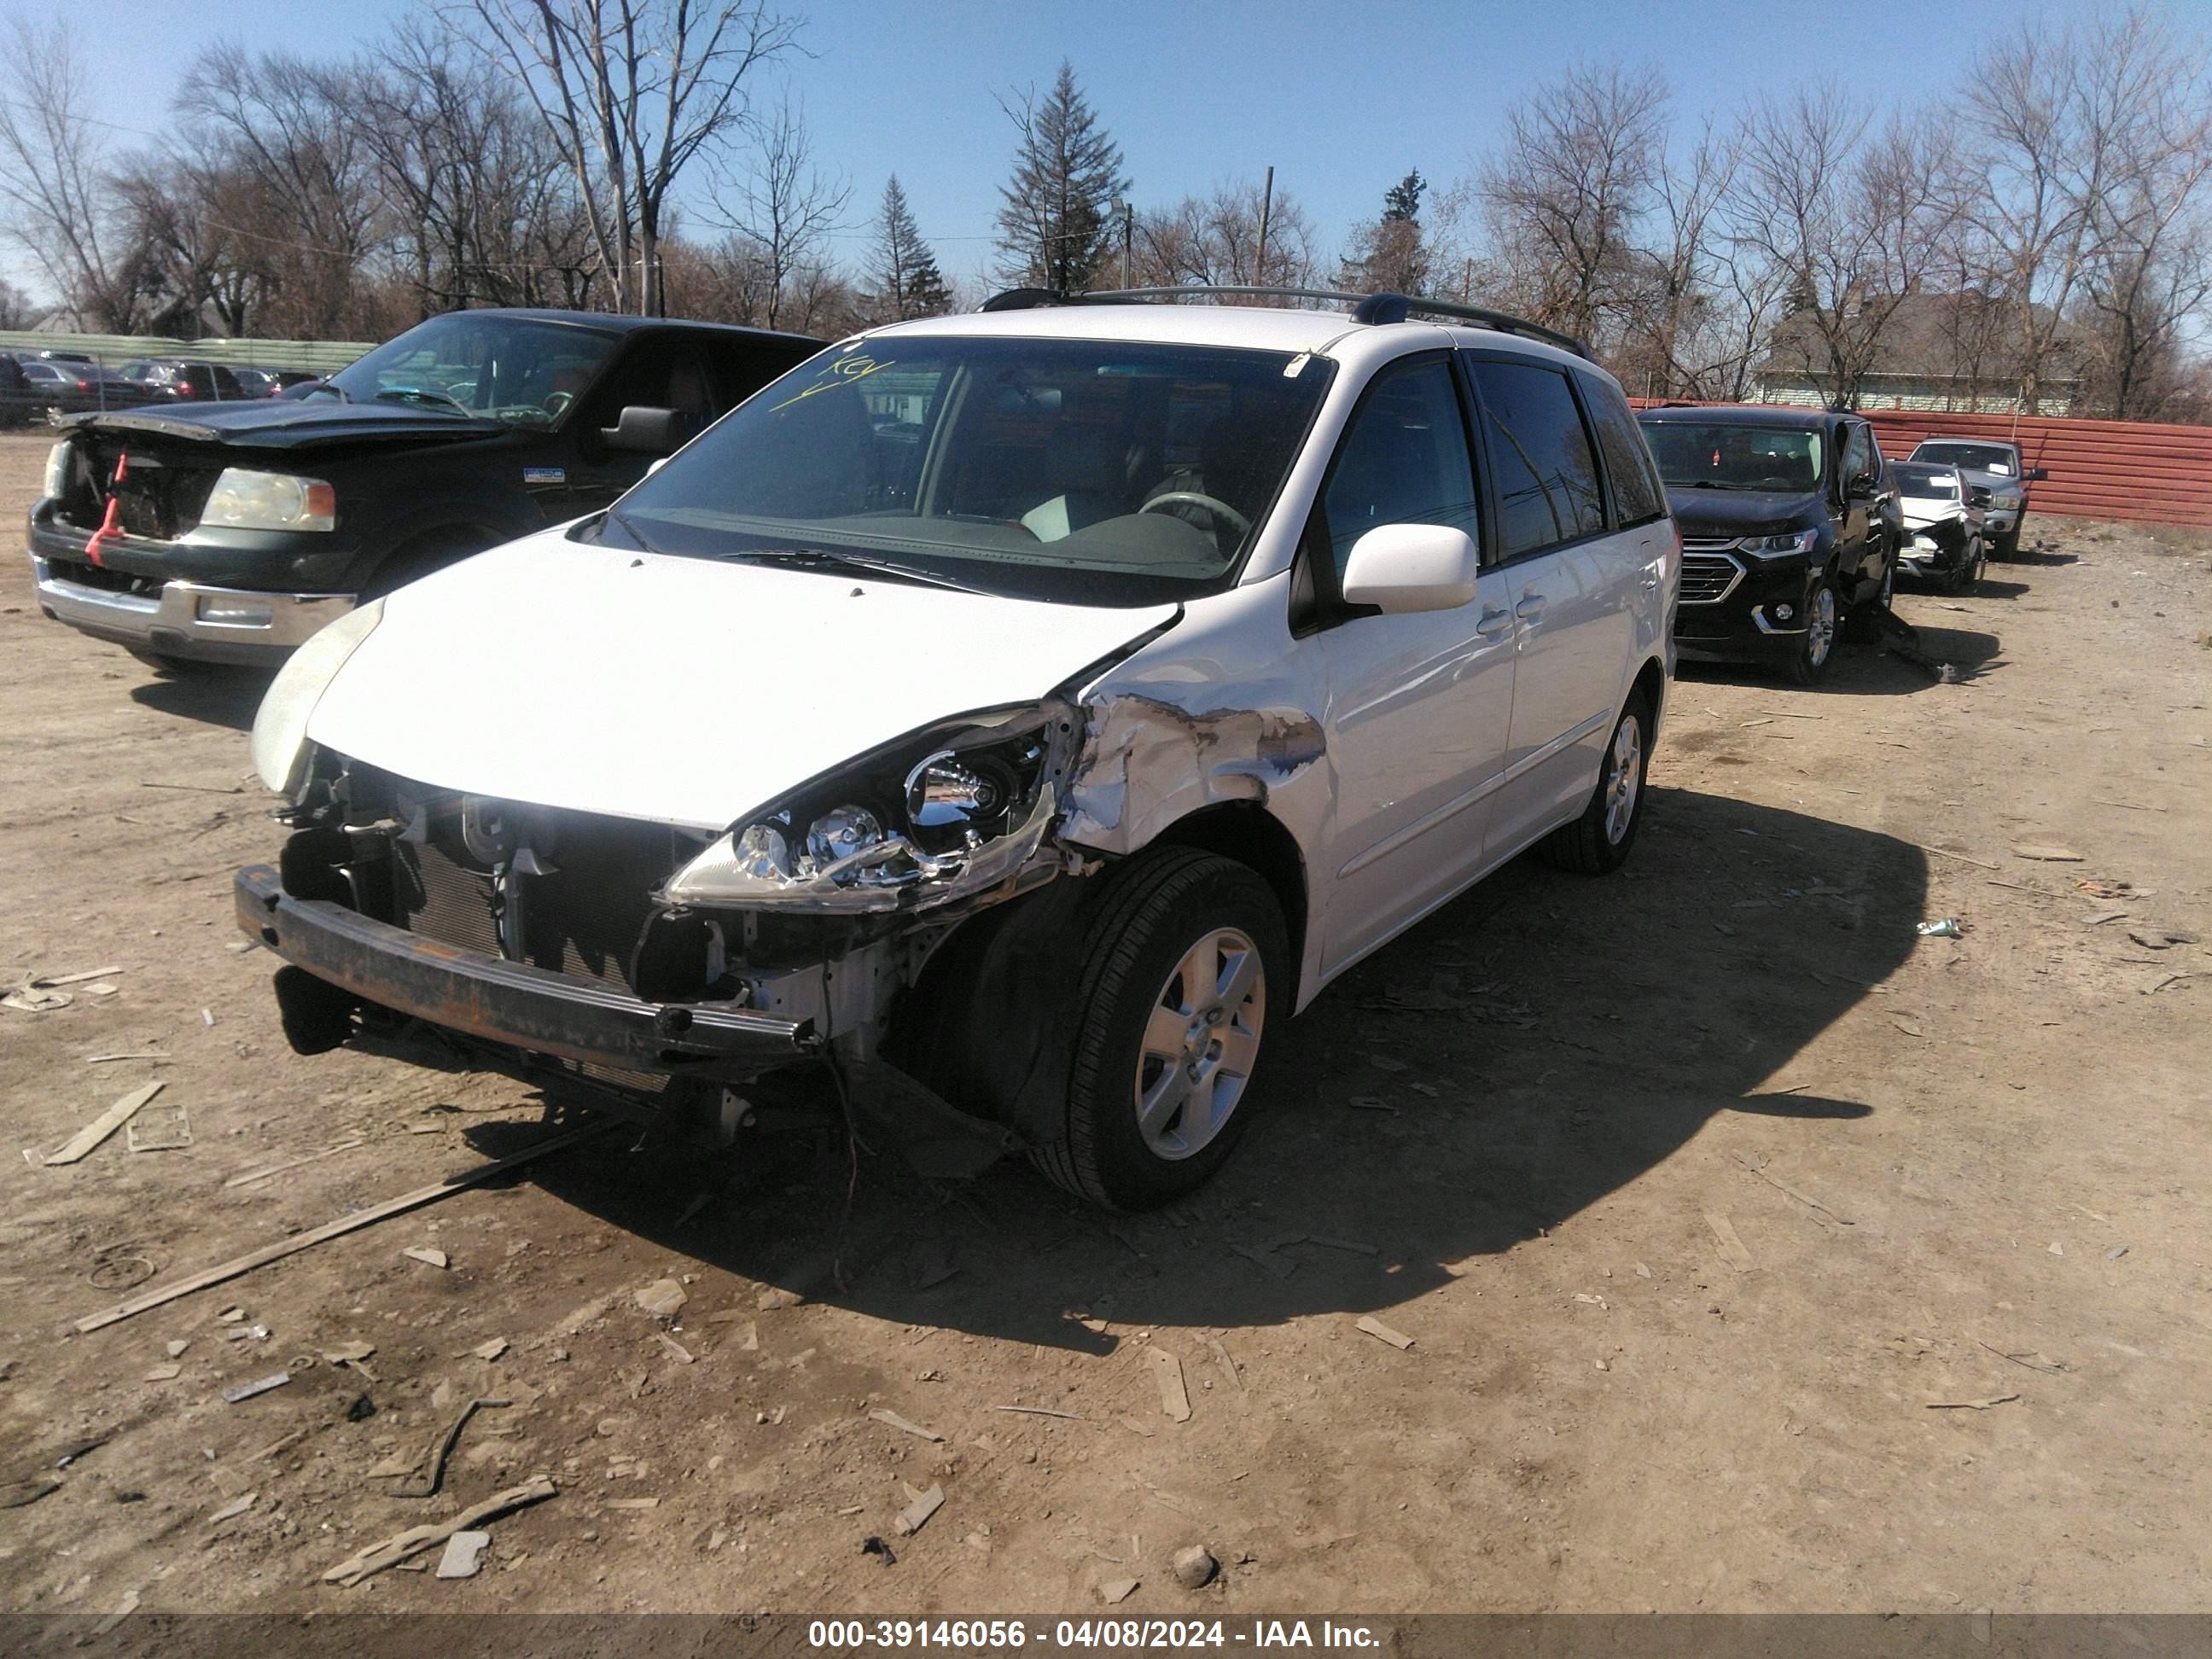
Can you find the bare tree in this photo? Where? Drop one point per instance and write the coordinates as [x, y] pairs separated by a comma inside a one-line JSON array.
[[634, 91], [1055, 220], [1569, 189], [179, 214], [1215, 239], [485, 210], [52, 167], [784, 208], [16, 310], [1854, 225], [290, 126]]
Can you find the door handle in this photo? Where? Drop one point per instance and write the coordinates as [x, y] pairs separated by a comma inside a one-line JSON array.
[[1491, 624], [1530, 608], [1651, 580]]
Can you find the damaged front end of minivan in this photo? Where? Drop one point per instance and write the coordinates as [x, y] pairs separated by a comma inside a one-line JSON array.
[[641, 952]]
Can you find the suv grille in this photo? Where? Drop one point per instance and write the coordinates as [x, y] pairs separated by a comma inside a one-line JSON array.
[[1707, 578]]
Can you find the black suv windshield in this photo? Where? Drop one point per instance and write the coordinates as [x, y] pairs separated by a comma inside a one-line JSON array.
[[1074, 470], [1925, 479], [1982, 457], [1716, 455], [516, 369]]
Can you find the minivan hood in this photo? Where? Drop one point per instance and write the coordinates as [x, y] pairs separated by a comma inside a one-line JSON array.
[[1722, 514], [680, 690], [278, 423]]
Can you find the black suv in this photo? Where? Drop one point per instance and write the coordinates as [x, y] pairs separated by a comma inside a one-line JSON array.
[[230, 531], [1787, 541]]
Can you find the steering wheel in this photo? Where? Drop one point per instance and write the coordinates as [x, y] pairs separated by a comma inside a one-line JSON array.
[[556, 402], [1213, 504]]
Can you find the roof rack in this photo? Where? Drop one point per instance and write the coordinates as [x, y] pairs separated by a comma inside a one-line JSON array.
[[1383, 307]]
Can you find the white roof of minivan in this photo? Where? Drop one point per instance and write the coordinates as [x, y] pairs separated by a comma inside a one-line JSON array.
[[1259, 328]]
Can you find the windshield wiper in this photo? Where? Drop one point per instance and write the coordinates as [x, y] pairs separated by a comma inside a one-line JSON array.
[[424, 392], [823, 558]]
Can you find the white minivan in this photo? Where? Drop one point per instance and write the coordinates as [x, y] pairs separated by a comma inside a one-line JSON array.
[[1028, 711]]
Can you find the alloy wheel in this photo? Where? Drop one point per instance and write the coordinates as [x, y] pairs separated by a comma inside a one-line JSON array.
[[1200, 1042], [1820, 626], [1624, 776]]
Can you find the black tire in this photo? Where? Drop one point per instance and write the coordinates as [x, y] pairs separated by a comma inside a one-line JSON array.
[[2007, 546], [1816, 646], [1970, 568], [418, 559], [1596, 844], [1161, 907], [1862, 626]]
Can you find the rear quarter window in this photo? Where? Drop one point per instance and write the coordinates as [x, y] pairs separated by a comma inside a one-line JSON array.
[[1637, 495]]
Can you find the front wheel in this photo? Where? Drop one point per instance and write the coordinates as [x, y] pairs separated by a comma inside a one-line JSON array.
[[1597, 843], [1816, 646], [2007, 546], [1185, 962]]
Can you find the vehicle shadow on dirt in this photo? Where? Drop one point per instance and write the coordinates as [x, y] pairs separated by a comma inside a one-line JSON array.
[[1876, 670], [214, 696], [1537, 1045]]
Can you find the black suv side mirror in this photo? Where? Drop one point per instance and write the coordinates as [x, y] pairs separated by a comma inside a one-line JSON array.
[[2037, 474], [1863, 487], [648, 431]]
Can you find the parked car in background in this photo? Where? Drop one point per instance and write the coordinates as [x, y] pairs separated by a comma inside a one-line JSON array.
[[1053, 755], [1997, 467], [19, 405], [1946, 524], [256, 382], [228, 531], [1785, 543], [194, 383], [75, 387]]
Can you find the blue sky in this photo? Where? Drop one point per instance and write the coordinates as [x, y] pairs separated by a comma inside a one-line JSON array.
[[1341, 100]]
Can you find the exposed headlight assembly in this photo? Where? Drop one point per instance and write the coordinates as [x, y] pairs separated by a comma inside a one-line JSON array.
[[246, 500], [280, 729], [57, 470], [894, 831], [1789, 541]]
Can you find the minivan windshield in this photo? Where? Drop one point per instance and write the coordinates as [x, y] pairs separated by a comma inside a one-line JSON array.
[[1086, 470], [1716, 455], [521, 370], [1982, 457]]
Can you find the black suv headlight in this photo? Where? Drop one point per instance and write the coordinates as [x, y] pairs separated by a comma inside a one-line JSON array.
[[919, 822], [1775, 547]]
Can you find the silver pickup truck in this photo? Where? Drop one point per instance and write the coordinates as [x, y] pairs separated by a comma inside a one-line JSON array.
[[1997, 467]]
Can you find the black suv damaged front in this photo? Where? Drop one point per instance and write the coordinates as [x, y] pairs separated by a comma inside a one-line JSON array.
[[1785, 544]]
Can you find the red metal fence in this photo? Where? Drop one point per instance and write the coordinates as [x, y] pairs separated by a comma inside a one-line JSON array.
[[2099, 468]]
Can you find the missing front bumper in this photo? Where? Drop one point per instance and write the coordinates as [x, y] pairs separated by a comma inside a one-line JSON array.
[[497, 1000]]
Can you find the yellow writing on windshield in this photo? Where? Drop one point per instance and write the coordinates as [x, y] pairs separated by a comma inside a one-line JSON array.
[[844, 371]]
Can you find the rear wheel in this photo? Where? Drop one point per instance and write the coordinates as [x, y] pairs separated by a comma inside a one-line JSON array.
[[1597, 843], [1182, 966], [1863, 625], [1816, 646]]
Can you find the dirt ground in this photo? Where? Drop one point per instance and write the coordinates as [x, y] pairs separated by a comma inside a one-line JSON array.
[[1530, 1136]]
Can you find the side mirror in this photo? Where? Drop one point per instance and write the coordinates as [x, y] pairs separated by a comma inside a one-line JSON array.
[[1411, 567], [1863, 487], [648, 431], [2036, 474]]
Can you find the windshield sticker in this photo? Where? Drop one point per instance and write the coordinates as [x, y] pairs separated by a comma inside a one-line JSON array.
[[844, 371], [545, 475]]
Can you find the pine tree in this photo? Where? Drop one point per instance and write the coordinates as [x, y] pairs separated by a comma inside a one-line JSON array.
[[1401, 203], [1056, 227], [1388, 255], [906, 282]]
